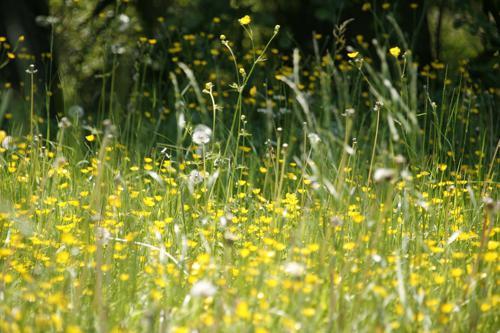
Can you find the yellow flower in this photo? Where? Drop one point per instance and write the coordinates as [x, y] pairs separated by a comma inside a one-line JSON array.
[[395, 51], [349, 246], [439, 279], [490, 256], [308, 312], [352, 55], [456, 272], [485, 307], [90, 137], [380, 291], [253, 91], [73, 329], [245, 20], [148, 201], [181, 329], [447, 307], [242, 310], [492, 245], [114, 201], [124, 277], [62, 257]]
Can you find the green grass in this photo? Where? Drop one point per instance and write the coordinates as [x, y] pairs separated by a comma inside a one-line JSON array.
[[360, 198]]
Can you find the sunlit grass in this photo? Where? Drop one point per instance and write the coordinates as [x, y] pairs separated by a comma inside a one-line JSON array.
[[355, 203]]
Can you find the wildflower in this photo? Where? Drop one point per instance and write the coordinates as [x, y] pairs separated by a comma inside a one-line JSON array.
[[62, 257], [208, 88], [490, 256], [64, 123], [242, 310], [313, 138], [114, 201], [456, 272], [203, 288], [493, 245], [309, 312], [253, 91], [336, 221], [349, 112], [90, 137], [102, 234], [442, 167], [202, 134], [294, 269], [44, 21], [230, 237], [395, 51], [378, 106], [195, 177], [76, 111], [31, 69], [380, 291], [124, 21], [245, 20], [148, 201], [447, 308], [383, 174], [349, 246], [491, 205], [73, 329], [7, 142], [485, 307], [353, 54], [439, 279]]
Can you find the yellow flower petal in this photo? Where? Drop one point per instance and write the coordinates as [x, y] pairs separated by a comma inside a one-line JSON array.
[[395, 51], [352, 55], [245, 20]]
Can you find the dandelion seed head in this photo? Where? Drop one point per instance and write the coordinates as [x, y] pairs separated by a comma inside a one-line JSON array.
[[203, 288], [202, 134]]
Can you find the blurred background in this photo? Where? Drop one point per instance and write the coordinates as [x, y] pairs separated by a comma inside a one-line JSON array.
[[74, 44]]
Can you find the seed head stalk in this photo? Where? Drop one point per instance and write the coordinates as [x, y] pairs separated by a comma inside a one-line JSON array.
[[374, 146]]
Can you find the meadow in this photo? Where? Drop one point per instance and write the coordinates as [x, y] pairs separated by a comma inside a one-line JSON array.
[[272, 192]]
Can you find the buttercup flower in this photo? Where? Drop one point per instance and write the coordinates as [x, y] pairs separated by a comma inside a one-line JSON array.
[[245, 20], [395, 51], [353, 54]]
